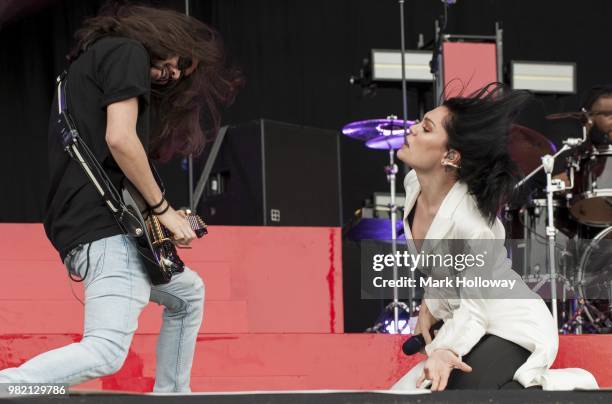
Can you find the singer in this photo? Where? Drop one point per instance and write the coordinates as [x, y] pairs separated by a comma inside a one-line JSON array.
[[462, 174]]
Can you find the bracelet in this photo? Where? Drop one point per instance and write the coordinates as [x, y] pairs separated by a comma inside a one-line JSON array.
[[163, 211], [159, 204]]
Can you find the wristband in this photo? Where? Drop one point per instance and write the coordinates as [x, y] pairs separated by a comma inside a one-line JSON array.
[[157, 206], [163, 211]]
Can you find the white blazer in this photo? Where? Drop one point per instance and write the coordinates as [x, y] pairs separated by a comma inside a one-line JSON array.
[[526, 322]]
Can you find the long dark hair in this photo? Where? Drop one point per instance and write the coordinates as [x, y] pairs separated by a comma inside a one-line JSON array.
[[478, 127], [177, 107]]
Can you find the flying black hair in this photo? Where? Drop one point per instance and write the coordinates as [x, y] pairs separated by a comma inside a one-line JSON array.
[[478, 127]]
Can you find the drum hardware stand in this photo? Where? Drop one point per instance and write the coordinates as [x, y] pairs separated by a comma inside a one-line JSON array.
[[391, 172], [568, 144], [395, 306], [565, 148], [584, 309], [552, 186], [396, 302]]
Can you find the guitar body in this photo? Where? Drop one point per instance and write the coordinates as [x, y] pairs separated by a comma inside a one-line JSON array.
[[155, 246]]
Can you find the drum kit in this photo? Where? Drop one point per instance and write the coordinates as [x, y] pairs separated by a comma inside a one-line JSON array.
[[572, 216], [568, 220]]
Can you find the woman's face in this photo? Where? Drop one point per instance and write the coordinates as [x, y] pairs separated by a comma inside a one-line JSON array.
[[426, 144]]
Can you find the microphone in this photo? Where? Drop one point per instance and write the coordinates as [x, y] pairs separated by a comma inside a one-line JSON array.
[[415, 343]]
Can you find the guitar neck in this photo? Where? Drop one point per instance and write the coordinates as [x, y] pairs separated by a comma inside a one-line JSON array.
[[159, 232]]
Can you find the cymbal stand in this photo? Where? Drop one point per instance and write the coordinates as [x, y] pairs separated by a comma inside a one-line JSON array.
[[391, 172], [552, 186], [395, 306], [568, 144]]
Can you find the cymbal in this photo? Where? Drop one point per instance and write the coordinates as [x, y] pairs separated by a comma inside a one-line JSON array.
[[372, 128], [527, 146], [581, 116], [383, 142]]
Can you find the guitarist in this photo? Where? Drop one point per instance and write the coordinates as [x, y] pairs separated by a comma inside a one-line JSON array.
[[138, 83]]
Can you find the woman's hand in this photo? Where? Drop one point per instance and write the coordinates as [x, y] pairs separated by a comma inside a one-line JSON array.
[[177, 224], [438, 368], [424, 322]]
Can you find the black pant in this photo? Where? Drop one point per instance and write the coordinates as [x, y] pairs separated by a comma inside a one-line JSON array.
[[494, 361]]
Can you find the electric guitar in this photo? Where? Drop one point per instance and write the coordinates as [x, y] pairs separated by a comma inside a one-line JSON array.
[[153, 239]]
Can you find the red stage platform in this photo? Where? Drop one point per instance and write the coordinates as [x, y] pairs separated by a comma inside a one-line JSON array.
[[249, 362], [273, 317], [258, 280]]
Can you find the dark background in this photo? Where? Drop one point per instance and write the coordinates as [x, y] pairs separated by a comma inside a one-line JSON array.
[[297, 57]]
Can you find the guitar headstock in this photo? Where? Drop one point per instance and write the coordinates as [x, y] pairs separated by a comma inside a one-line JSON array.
[[197, 224]]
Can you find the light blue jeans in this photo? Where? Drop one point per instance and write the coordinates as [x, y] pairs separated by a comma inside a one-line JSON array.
[[116, 290]]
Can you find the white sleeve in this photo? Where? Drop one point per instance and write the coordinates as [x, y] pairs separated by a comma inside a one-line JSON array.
[[468, 322], [463, 330]]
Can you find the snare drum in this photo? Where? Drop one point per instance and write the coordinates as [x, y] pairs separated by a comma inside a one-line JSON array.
[[591, 202]]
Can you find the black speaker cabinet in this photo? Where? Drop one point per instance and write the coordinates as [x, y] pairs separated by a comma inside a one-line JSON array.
[[276, 174]]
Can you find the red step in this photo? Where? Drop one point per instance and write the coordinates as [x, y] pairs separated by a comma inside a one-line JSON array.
[[273, 320], [258, 279], [243, 362], [66, 317]]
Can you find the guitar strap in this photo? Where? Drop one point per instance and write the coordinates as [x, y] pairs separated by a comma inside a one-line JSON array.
[[77, 149]]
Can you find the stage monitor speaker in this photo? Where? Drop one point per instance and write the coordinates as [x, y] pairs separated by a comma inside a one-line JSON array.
[[276, 174]]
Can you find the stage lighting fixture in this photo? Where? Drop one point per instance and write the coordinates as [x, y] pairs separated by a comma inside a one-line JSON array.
[[387, 65], [544, 77]]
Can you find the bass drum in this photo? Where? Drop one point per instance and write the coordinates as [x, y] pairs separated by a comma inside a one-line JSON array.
[[593, 278], [591, 202]]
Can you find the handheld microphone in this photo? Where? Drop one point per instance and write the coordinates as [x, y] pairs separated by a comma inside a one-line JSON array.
[[415, 343]]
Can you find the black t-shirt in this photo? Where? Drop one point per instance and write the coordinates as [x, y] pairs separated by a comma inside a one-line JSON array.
[[110, 70]]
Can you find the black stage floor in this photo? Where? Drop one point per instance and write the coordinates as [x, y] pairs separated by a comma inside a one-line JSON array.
[[489, 397]]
